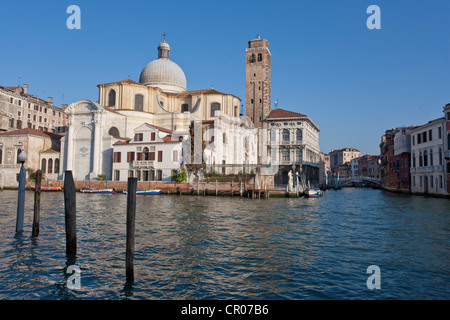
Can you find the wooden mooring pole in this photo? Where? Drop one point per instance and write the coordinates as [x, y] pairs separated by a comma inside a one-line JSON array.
[[131, 218], [37, 204], [70, 209]]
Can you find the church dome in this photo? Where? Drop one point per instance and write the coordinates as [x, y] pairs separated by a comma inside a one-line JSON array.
[[164, 73]]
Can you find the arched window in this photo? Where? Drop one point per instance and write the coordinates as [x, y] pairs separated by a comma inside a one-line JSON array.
[[252, 59], [146, 153], [19, 151], [299, 134], [214, 107], [44, 166], [259, 56], [50, 165], [139, 102], [111, 98], [184, 107], [56, 166], [113, 131], [286, 136]]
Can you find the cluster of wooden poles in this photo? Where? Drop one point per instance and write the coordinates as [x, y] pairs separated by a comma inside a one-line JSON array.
[[70, 216]]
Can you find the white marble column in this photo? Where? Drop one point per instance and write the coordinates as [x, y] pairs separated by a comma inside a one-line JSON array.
[[70, 139]]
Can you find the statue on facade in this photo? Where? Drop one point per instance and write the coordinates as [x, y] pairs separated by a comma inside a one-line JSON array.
[[291, 181]]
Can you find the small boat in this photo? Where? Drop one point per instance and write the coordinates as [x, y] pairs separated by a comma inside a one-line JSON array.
[[313, 193], [49, 188], [87, 190], [146, 192]]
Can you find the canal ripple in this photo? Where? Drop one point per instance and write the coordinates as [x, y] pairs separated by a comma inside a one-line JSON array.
[[190, 247]]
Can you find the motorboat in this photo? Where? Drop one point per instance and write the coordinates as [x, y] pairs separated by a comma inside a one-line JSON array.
[[88, 190], [313, 193], [146, 192]]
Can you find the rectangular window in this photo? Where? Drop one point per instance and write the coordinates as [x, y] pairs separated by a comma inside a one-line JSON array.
[[285, 156], [152, 175], [414, 140], [138, 137], [430, 135], [175, 155], [117, 157], [419, 139], [130, 156], [440, 182], [158, 175], [431, 181], [424, 137], [153, 136], [440, 133], [152, 156], [160, 156], [116, 175], [414, 181]]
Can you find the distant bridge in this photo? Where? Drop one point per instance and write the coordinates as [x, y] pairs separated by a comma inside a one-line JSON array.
[[361, 181]]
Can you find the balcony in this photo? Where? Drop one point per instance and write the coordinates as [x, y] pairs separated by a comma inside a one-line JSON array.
[[429, 169], [285, 143], [143, 164]]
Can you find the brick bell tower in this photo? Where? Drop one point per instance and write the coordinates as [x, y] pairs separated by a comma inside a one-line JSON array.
[[257, 81]]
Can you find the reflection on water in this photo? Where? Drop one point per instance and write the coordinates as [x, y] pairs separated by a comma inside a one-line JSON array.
[[190, 247]]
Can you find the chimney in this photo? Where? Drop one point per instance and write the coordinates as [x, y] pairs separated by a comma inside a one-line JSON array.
[[50, 100], [25, 89]]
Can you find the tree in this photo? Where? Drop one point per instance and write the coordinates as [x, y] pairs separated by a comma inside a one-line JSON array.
[[180, 177]]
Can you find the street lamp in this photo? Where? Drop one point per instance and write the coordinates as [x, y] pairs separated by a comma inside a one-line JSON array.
[[22, 157]]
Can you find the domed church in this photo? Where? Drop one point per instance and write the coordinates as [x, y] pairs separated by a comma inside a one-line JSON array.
[[161, 101]]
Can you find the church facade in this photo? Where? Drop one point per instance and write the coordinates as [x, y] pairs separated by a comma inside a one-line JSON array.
[[99, 130]]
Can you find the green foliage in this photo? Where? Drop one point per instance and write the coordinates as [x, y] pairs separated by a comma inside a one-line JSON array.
[[180, 177], [102, 176], [32, 174]]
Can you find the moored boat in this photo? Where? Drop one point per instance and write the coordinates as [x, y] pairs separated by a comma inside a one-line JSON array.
[[313, 193], [87, 190], [146, 192], [49, 188]]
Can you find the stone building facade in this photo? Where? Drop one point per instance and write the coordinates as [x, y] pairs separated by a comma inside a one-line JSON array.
[[427, 158], [41, 147], [293, 140], [20, 110]]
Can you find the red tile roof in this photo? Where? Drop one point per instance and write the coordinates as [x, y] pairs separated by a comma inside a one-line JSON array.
[[128, 81], [280, 113], [29, 131], [170, 139], [160, 128], [204, 91]]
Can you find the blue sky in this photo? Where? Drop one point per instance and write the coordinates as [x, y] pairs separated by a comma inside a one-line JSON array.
[[353, 82]]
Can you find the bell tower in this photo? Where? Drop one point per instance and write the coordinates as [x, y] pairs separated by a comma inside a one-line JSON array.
[[257, 81]]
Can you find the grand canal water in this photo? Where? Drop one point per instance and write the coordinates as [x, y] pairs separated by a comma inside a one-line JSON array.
[[190, 247]]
